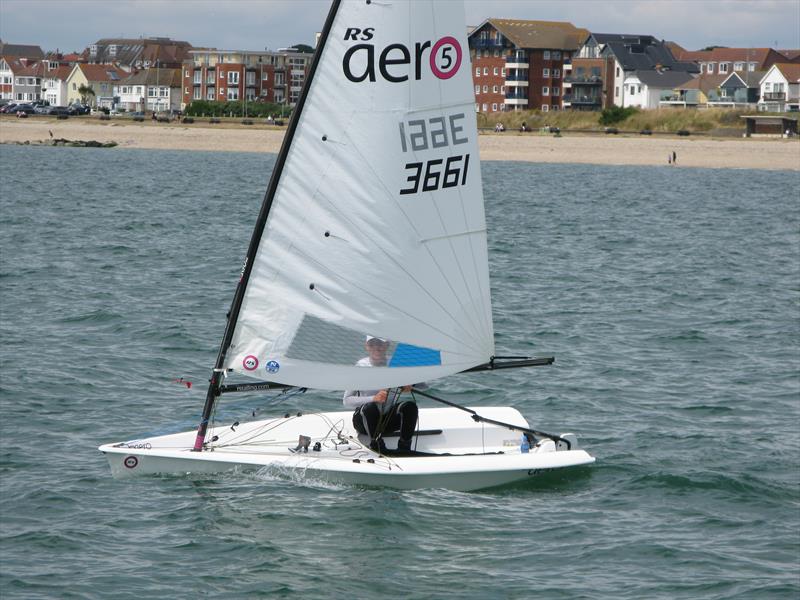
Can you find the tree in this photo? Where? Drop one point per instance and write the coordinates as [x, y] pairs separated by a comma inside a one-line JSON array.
[[304, 48], [85, 91]]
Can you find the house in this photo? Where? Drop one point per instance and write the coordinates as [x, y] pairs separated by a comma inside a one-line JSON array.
[[724, 61], [130, 54], [100, 78], [54, 85], [780, 88], [21, 78], [740, 89], [150, 90], [231, 75], [623, 56], [698, 91], [520, 65], [644, 89]]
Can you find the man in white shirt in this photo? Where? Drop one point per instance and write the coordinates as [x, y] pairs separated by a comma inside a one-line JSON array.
[[381, 411]]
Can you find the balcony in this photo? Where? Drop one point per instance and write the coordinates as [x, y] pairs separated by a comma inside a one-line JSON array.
[[518, 61], [584, 79], [516, 101], [487, 43], [775, 96], [582, 100], [517, 94]]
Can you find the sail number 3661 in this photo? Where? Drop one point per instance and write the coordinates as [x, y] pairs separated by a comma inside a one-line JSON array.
[[437, 174], [431, 134]]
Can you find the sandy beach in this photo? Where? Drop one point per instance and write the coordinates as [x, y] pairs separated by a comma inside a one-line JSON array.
[[737, 153]]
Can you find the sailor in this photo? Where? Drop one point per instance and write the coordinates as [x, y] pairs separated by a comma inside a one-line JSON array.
[[379, 412]]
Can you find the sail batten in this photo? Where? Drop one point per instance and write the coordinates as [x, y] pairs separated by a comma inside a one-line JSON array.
[[377, 226]]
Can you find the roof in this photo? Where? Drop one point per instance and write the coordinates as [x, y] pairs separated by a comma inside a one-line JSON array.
[[704, 83], [129, 51], [168, 77], [21, 51], [101, 72], [789, 70], [751, 79], [757, 55], [547, 35], [61, 72], [646, 53], [22, 66], [663, 79], [791, 55]]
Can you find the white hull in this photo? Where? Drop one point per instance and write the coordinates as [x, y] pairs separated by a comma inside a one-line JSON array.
[[481, 455]]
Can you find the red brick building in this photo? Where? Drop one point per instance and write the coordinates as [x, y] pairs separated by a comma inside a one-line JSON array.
[[519, 65], [231, 75]]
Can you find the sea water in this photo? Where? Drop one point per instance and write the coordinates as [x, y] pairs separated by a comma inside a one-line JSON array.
[[669, 297]]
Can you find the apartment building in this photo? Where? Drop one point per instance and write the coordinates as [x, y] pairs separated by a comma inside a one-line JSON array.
[[520, 65], [231, 75]]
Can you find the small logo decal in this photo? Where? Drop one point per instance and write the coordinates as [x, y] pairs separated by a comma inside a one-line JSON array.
[[273, 366], [443, 64], [130, 462], [250, 363]]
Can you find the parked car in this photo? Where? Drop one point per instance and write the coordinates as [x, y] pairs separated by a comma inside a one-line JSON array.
[[24, 108], [8, 108], [57, 110], [41, 109], [78, 109]]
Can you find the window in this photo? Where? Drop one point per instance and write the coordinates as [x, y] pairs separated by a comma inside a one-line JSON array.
[[502, 89], [233, 78], [210, 94], [503, 72], [196, 95], [494, 107], [264, 76], [545, 91], [222, 74], [710, 68], [483, 107], [556, 54], [556, 73], [477, 89], [545, 107], [251, 78], [556, 91], [494, 89], [495, 71], [723, 67], [477, 107], [545, 72], [112, 50], [496, 53], [485, 70], [546, 55], [477, 71], [739, 66], [751, 67], [616, 92], [486, 89]]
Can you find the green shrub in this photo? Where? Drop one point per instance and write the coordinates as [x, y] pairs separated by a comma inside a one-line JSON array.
[[616, 114]]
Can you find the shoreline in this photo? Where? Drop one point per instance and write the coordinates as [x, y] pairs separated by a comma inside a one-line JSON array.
[[598, 149]]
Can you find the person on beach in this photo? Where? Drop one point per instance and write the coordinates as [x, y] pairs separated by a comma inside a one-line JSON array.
[[674, 158], [379, 412]]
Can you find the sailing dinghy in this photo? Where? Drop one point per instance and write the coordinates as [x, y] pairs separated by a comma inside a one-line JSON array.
[[372, 225]]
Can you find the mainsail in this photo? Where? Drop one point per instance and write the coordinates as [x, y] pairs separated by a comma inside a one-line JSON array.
[[376, 224]]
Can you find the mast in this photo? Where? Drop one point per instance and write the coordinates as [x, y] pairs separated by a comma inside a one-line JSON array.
[[255, 240]]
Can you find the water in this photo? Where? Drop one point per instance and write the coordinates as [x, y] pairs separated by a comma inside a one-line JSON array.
[[668, 296]]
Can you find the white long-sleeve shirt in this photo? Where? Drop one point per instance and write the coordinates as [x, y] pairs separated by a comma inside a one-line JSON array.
[[356, 398]]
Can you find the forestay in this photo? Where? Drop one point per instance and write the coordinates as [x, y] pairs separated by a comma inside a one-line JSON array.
[[377, 224]]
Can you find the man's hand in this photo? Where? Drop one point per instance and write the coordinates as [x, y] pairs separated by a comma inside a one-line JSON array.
[[380, 397]]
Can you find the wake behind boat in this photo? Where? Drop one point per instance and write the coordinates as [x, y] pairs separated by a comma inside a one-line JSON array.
[[372, 227]]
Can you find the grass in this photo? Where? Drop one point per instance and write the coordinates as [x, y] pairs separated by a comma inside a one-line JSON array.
[[667, 120]]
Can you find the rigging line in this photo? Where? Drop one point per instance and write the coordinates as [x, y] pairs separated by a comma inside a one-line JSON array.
[[479, 419]]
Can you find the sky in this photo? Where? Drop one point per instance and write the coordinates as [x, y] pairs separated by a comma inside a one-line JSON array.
[[72, 25]]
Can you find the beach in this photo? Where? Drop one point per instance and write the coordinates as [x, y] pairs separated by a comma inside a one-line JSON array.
[[601, 149]]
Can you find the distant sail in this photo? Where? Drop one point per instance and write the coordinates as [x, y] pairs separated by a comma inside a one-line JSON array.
[[377, 223]]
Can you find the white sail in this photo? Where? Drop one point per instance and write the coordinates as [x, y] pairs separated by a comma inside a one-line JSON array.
[[377, 226]]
